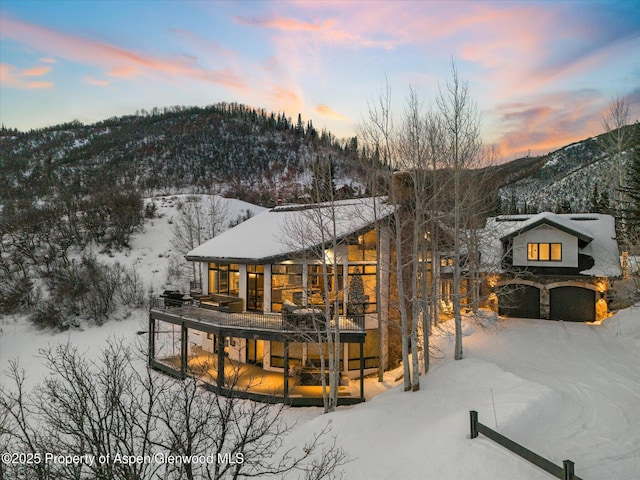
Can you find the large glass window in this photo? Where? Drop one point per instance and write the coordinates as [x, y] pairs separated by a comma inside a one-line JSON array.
[[544, 252], [286, 285], [316, 288], [363, 247], [224, 278], [255, 351], [277, 354], [313, 355], [255, 287], [362, 289]]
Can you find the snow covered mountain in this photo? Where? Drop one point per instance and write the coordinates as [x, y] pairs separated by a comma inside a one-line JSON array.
[[249, 154], [567, 178], [229, 149]]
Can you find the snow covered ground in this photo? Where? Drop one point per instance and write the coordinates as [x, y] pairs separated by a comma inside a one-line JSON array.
[[563, 390]]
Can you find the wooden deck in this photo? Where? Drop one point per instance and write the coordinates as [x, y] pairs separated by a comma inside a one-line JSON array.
[[255, 380], [244, 380], [268, 326]]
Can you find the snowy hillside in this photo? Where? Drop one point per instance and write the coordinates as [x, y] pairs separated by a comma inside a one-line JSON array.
[[567, 175], [151, 249], [231, 149], [564, 390]]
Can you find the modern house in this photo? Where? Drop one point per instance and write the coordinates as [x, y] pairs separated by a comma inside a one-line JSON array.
[[264, 296], [551, 266], [274, 286]]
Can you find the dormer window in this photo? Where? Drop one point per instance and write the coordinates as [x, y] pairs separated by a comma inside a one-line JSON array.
[[544, 252]]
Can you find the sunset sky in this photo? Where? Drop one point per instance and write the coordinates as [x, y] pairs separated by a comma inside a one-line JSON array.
[[542, 73]]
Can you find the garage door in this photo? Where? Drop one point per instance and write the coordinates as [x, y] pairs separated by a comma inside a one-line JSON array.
[[521, 301], [573, 304]]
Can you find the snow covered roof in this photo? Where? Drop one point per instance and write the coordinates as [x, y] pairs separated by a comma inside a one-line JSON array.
[[596, 230], [283, 231], [561, 222]]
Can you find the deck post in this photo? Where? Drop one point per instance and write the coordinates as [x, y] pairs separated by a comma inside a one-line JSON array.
[[286, 370], [568, 469], [473, 417], [184, 338], [152, 338], [361, 370], [220, 378]]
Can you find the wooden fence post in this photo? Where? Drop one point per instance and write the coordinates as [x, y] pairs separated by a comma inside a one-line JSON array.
[[568, 469], [474, 423]]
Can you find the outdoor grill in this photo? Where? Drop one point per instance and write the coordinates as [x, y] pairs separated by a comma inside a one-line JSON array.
[[174, 298]]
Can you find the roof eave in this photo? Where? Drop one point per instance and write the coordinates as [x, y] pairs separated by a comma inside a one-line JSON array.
[[241, 260], [515, 233], [279, 257]]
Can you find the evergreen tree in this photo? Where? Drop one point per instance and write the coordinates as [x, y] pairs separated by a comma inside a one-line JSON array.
[[563, 206], [300, 126], [595, 200], [604, 205], [357, 297], [513, 205]]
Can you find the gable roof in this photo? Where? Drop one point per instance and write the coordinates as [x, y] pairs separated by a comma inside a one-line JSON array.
[[284, 231], [561, 222], [596, 230]]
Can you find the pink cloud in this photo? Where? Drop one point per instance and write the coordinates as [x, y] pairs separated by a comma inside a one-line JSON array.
[[284, 24], [123, 72], [512, 42], [10, 77], [326, 31], [547, 122], [36, 71], [326, 111], [111, 57], [48, 60], [286, 98], [37, 85]]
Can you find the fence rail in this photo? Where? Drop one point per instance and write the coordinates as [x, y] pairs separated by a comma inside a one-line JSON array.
[[566, 472]]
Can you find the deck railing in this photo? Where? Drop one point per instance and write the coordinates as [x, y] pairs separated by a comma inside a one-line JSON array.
[[305, 321]]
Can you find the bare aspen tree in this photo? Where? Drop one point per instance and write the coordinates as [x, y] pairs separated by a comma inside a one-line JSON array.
[[461, 124], [479, 201], [375, 134], [312, 233], [617, 141], [431, 249], [326, 225], [382, 137], [406, 148], [413, 153], [199, 220]]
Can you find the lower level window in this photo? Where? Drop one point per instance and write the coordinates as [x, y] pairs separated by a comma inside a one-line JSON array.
[[544, 252]]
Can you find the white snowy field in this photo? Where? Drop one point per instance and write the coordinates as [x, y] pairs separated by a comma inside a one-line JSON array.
[[563, 390]]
